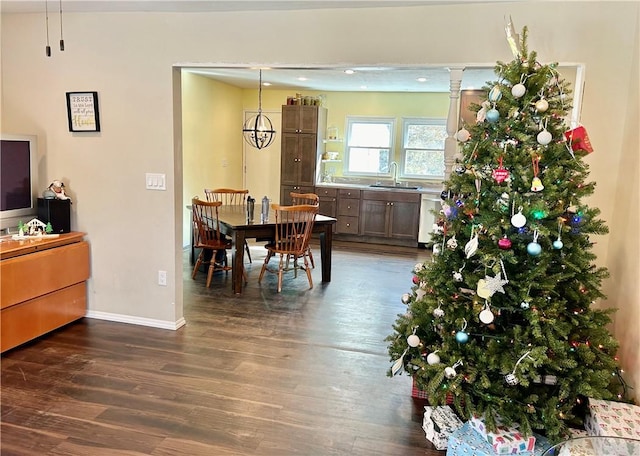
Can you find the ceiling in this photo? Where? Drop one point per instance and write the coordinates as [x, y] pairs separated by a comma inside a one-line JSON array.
[[364, 79], [374, 78]]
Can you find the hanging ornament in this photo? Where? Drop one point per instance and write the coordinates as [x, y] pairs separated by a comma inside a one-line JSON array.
[[471, 247], [504, 243], [511, 378], [542, 105], [433, 358], [524, 305], [457, 275], [406, 298], [413, 340], [500, 174], [558, 244], [503, 202], [518, 220], [436, 249], [536, 183], [463, 135], [461, 336], [495, 94], [438, 312], [481, 115], [488, 286], [544, 137], [450, 372], [452, 243], [533, 248], [493, 115], [445, 194], [518, 90], [486, 316], [399, 364], [459, 169]]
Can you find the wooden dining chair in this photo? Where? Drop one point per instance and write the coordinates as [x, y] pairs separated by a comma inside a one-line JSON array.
[[207, 237], [294, 225], [229, 196], [306, 198]]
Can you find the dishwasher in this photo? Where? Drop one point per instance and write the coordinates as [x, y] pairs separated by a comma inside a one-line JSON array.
[[428, 204]]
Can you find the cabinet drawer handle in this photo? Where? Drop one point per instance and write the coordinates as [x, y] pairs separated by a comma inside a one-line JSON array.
[[348, 224]]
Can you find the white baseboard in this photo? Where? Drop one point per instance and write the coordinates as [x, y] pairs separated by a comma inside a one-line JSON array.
[[119, 318]]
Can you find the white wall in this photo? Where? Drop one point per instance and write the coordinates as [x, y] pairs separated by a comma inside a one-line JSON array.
[[128, 59]]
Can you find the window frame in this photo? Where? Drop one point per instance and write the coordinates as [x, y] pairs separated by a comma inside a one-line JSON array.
[[350, 120], [406, 123]]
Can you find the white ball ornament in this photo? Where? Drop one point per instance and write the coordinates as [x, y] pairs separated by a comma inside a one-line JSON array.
[[544, 137], [438, 312], [486, 316], [524, 305], [450, 372], [518, 220], [413, 340], [433, 358], [463, 135], [405, 298], [518, 90], [542, 105], [557, 244]]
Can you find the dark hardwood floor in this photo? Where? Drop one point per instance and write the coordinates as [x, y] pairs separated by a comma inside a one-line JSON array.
[[302, 372]]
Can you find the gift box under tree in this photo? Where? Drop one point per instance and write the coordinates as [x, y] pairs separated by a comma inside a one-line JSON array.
[[466, 441], [613, 419], [505, 439], [438, 424]]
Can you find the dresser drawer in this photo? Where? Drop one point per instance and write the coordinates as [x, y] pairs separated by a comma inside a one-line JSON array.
[[347, 225], [326, 192], [349, 207]]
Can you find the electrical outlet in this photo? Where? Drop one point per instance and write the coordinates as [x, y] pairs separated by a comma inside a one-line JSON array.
[[162, 278]]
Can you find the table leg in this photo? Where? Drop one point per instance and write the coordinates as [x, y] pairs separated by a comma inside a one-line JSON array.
[[237, 260], [326, 239]]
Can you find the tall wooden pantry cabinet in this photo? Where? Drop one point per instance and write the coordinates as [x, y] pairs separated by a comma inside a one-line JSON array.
[[303, 130]]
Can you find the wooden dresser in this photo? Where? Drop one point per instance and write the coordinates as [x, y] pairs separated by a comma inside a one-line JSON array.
[[42, 286]]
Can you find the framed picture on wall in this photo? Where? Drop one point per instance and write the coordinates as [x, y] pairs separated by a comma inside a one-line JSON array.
[[82, 111]]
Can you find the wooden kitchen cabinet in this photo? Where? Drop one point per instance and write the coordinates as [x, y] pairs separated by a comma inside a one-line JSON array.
[[348, 211], [392, 215], [328, 201], [303, 130]]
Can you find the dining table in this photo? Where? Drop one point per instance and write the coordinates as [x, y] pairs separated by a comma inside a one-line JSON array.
[[234, 223]]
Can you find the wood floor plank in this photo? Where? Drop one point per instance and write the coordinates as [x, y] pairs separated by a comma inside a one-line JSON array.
[[260, 374]]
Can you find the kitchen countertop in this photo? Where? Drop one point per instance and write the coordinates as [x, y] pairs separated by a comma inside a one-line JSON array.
[[431, 190]]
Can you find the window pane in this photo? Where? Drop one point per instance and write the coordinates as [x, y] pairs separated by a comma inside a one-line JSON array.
[[368, 160], [424, 162], [370, 135], [423, 136]]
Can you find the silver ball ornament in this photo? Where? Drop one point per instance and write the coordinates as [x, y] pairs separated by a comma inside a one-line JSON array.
[[524, 305], [413, 340], [457, 276], [438, 312], [511, 379], [405, 298], [463, 135], [450, 372]]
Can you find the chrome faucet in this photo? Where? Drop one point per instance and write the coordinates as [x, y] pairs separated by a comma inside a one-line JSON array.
[[395, 172]]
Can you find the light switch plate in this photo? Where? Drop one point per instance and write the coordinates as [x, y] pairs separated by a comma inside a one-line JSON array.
[[155, 181]]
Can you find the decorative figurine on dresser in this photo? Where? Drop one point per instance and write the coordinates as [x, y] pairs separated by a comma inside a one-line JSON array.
[[55, 207]]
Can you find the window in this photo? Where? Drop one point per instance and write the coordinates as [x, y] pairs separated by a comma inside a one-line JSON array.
[[369, 145], [423, 147]]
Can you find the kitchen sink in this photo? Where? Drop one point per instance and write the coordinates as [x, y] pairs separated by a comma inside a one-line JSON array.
[[395, 187]]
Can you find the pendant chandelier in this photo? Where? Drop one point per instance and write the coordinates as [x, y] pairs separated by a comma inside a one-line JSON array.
[[258, 130]]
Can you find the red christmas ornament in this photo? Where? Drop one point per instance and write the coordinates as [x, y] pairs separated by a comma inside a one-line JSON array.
[[500, 174], [504, 243]]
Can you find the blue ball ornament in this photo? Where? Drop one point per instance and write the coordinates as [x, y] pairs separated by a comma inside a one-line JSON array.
[[462, 337], [534, 249], [558, 244], [493, 115]]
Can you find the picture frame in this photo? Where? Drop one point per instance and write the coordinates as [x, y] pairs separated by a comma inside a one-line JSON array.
[[83, 114]]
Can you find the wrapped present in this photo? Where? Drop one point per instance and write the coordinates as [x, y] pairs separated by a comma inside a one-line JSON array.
[[613, 419], [438, 424], [466, 441], [579, 444], [506, 439]]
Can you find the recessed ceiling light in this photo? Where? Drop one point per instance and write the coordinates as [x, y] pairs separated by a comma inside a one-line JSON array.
[[421, 79], [349, 71], [266, 84], [363, 87], [302, 78]]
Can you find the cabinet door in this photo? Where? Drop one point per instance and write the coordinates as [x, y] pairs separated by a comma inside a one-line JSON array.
[[373, 218], [404, 220], [289, 164], [308, 119], [290, 118], [285, 193], [307, 147]]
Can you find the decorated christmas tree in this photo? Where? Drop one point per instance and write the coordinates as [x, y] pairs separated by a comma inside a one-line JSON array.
[[501, 322]]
